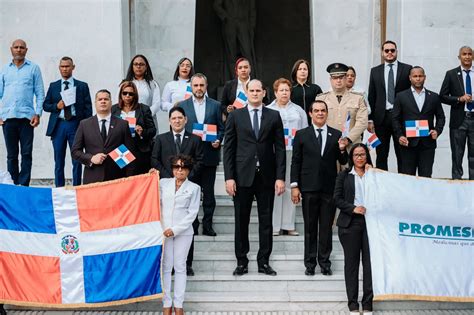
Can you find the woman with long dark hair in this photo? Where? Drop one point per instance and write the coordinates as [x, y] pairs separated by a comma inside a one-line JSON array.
[[180, 88]]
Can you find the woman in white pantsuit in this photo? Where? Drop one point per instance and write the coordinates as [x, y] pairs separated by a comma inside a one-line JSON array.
[[179, 199], [293, 117]]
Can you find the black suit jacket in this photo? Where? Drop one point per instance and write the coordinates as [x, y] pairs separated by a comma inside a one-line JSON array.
[[452, 88], [344, 195], [88, 142], [82, 107], [405, 108], [313, 172], [165, 147], [228, 95], [377, 94], [242, 148], [145, 120], [212, 116]]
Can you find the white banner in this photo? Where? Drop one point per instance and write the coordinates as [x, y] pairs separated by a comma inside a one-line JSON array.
[[421, 237]]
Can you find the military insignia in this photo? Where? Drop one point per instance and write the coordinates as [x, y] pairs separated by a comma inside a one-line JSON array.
[[69, 244]]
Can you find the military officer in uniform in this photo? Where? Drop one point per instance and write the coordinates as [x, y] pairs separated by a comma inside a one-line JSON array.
[[342, 102]]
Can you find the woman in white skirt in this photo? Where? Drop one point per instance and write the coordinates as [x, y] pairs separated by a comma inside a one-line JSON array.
[[294, 118], [179, 199]]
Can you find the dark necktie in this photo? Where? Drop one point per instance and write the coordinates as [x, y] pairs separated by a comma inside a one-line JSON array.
[[470, 105], [67, 109], [103, 130], [178, 143], [320, 139], [256, 128], [339, 98], [391, 85]]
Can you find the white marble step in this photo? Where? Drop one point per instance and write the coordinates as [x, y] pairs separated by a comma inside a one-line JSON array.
[[312, 312]]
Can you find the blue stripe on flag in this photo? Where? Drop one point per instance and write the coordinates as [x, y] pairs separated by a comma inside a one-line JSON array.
[[410, 123], [123, 275], [26, 209]]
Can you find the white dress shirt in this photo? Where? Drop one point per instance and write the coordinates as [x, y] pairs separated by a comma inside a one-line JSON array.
[[386, 71], [149, 95], [174, 92], [240, 87], [259, 115], [359, 184], [181, 133], [63, 86], [107, 122], [464, 76], [324, 134], [200, 109], [419, 97]]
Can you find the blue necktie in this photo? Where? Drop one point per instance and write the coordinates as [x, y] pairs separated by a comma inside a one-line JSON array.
[[470, 105], [391, 85], [256, 128]]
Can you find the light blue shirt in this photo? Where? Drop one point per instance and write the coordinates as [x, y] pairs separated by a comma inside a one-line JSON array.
[[63, 86], [17, 88]]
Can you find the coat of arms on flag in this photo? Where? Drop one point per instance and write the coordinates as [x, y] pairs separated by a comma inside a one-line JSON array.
[[132, 122], [417, 128], [289, 137], [122, 156], [373, 141], [92, 245], [346, 126], [189, 92], [207, 132], [240, 100]]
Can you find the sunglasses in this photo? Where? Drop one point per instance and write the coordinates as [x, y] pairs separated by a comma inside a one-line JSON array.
[[392, 50], [177, 167], [128, 93]]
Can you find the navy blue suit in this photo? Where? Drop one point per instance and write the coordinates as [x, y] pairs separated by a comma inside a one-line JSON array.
[[63, 131], [207, 178]]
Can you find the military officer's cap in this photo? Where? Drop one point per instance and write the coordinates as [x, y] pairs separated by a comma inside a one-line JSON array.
[[337, 69]]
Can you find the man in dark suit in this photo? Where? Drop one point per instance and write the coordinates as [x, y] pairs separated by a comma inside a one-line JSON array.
[[417, 103], [386, 80], [316, 150], [456, 90], [64, 120], [204, 110], [254, 165], [96, 137], [170, 143]]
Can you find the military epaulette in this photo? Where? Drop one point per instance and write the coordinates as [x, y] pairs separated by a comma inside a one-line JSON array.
[[357, 93], [324, 93]]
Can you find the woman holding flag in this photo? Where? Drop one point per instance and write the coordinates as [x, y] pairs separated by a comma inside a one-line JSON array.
[[234, 94], [140, 121], [180, 88], [293, 118], [349, 198], [180, 200]]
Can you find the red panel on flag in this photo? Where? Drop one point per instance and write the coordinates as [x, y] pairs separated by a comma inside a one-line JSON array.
[[113, 155], [212, 128], [118, 204], [37, 279]]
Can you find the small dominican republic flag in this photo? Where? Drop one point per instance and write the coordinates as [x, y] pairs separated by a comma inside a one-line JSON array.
[[189, 92], [289, 137], [346, 126], [86, 246], [122, 156], [132, 122], [207, 132], [373, 141], [240, 100], [417, 128]]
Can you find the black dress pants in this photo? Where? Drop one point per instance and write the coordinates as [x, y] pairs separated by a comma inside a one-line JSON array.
[[354, 240], [384, 133], [318, 213], [458, 138], [418, 158]]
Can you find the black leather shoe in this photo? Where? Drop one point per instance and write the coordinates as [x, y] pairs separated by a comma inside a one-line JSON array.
[[2, 310], [266, 269], [309, 271], [326, 271], [189, 271], [240, 270], [209, 232]]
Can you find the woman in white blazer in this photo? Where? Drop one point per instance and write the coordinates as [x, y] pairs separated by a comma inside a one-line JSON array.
[[179, 200]]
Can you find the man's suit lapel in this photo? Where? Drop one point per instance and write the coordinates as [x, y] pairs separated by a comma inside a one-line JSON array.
[[329, 140], [113, 123], [399, 72], [247, 124], [312, 136], [460, 80], [185, 141], [208, 113], [189, 109], [96, 128], [172, 144], [413, 101]]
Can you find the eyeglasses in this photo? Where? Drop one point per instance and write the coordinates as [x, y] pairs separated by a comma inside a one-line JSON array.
[[179, 167], [128, 93], [139, 64], [360, 155], [392, 50]]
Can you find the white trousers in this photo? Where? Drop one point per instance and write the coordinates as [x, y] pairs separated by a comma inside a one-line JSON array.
[[174, 256], [284, 210]]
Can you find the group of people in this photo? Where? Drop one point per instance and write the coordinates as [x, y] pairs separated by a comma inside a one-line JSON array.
[[295, 149]]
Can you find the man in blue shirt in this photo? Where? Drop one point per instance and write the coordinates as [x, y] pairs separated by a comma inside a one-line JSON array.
[[20, 82]]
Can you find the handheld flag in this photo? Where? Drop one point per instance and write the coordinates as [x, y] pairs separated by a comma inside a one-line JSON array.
[[373, 141], [92, 245], [240, 100], [347, 125], [122, 156], [207, 132], [132, 123], [289, 137], [417, 128], [188, 93]]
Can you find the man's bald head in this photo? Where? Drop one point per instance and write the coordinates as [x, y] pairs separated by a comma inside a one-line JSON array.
[[18, 51]]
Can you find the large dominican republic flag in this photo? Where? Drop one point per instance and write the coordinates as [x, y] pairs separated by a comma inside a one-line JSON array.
[[87, 246]]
